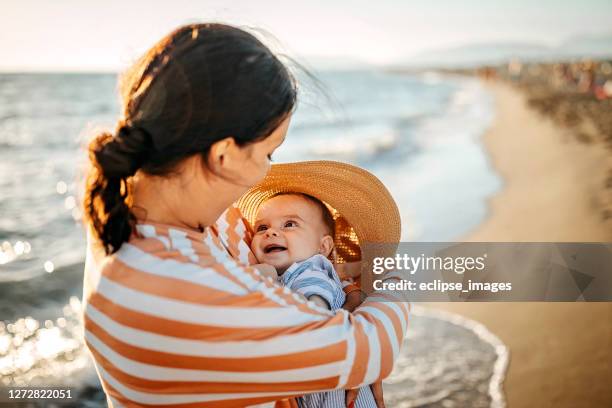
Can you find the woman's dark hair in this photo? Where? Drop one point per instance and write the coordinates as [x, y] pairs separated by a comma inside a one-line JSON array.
[[199, 84]]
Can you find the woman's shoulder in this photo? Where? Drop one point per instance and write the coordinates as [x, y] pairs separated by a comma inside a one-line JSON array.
[[228, 237], [172, 251], [161, 258]]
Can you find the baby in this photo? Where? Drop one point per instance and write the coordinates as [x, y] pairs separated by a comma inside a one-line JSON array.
[[294, 233]]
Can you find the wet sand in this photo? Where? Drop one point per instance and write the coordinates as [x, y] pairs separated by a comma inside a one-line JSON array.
[[560, 353]]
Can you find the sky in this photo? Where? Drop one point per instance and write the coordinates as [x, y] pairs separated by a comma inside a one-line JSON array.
[[83, 35]]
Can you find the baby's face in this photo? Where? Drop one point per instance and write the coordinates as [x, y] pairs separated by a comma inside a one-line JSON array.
[[288, 229]]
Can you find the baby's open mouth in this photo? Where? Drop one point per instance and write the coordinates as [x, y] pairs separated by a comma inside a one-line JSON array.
[[274, 248]]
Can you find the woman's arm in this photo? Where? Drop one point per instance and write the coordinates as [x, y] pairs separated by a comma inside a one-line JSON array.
[[354, 298], [332, 351], [170, 331]]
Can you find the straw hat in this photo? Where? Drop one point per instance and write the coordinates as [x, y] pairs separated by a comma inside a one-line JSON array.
[[363, 209]]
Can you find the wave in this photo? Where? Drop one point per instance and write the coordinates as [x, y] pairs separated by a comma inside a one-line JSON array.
[[371, 147], [317, 124]]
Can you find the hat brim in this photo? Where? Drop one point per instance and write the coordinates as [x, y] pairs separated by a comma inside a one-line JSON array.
[[360, 197]]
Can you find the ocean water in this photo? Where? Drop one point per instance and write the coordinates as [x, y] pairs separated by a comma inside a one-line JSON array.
[[420, 134]]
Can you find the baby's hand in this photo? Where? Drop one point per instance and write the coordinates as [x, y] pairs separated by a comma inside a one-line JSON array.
[[266, 270]]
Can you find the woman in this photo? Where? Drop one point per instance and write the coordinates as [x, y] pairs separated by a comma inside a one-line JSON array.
[[173, 315]]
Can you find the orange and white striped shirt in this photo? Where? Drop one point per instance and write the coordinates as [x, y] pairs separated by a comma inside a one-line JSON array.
[[177, 318]]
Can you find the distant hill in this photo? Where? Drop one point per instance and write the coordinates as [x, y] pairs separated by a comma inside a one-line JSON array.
[[589, 45], [595, 46], [335, 63]]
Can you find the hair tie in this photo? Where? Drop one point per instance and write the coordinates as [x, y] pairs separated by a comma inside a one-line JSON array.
[[125, 153]]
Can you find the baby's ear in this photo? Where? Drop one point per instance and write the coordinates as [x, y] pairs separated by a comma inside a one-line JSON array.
[[326, 246]]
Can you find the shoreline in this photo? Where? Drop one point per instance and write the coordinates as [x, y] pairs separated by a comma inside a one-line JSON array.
[[552, 180], [552, 191]]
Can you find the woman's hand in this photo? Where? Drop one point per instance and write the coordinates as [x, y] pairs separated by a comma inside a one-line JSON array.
[[377, 392], [353, 299]]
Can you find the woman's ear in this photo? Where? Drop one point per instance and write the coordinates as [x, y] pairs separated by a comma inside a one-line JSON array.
[[220, 152], [326, 246]]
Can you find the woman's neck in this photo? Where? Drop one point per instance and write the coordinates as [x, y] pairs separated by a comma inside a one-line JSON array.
[[173, 201]]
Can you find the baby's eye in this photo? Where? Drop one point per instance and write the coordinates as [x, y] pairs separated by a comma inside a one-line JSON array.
[[270, 157], [290, 224], [261, 228]]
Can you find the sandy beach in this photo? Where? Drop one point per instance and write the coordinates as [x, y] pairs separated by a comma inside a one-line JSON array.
[[561, 353]]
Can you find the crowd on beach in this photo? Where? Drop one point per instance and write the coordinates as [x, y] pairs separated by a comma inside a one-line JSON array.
[[577, 95]]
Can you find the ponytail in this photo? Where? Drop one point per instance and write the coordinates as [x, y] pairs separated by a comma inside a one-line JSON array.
[[107, 203]]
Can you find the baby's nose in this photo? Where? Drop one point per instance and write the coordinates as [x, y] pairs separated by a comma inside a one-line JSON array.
[[271, 232]]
